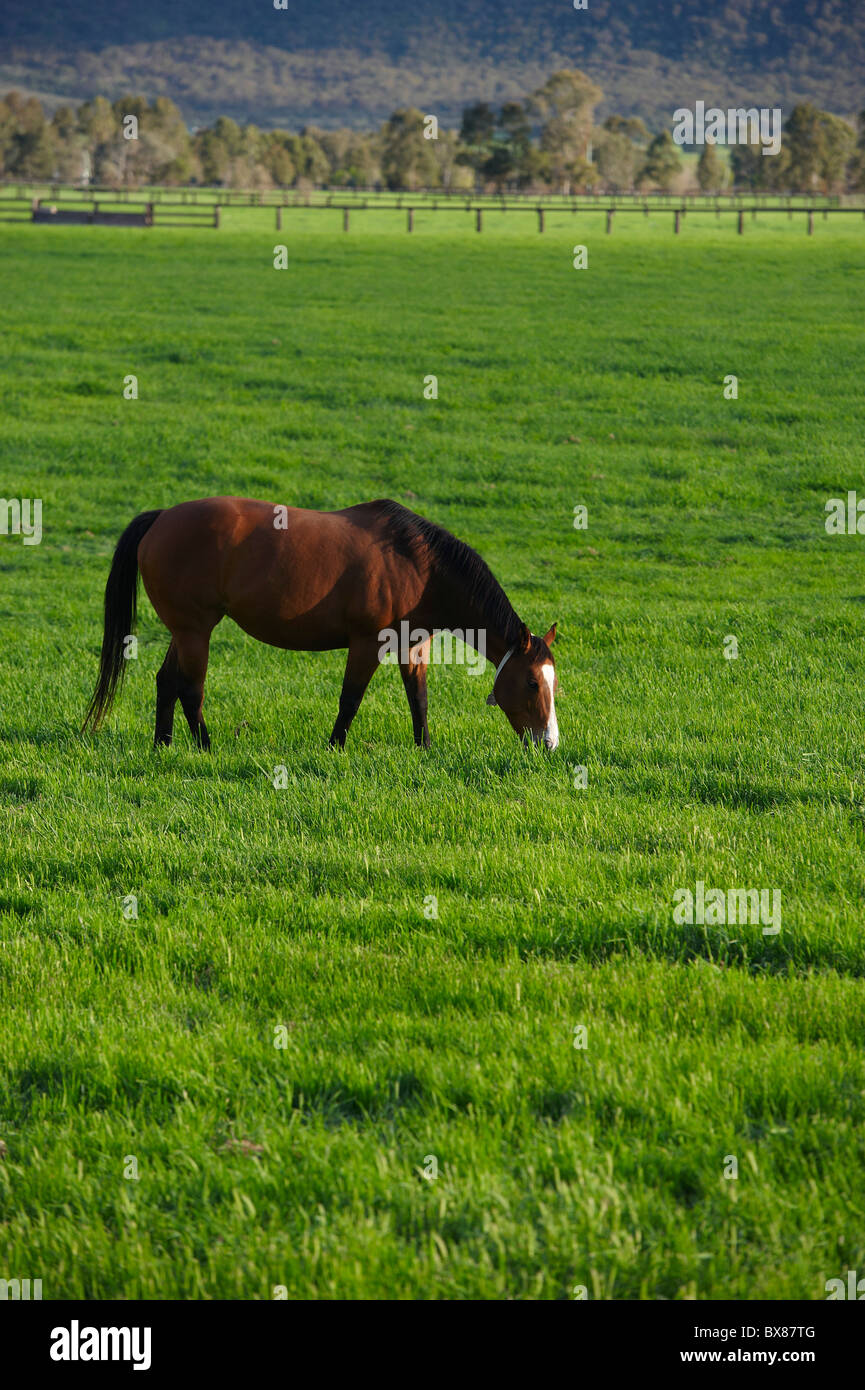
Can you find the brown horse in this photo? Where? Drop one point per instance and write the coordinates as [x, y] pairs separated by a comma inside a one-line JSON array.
[[315, 581]]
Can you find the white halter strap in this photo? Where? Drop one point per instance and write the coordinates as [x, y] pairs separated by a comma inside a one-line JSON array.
[[509, 652]]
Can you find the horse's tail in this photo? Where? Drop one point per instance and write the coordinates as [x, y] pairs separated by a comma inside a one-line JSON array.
[[121, 598]]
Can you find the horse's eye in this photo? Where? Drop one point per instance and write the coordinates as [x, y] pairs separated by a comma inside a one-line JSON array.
[[533, 685]]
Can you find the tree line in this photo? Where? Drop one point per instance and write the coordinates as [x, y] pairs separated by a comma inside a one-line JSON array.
[[549, 141]]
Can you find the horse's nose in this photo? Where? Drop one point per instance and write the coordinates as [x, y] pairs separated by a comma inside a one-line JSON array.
[[551, 741]]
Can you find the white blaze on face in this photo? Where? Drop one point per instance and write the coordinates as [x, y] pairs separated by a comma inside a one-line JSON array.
[[551, 732]]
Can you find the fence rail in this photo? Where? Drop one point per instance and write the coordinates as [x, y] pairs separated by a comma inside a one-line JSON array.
[[238, 197], [540, 211], [115, 207], [104, 211]]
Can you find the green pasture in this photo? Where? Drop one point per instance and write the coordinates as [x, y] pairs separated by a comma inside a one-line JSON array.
[[337, 1043]]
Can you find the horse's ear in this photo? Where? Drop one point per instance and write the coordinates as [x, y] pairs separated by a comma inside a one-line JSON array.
[[525, 639], [491, 699], [551, 635]]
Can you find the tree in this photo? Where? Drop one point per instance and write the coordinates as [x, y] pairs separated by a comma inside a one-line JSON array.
[[362, 160], [856, 168], [99, 126], [500, 166], [478, 125], [565, 104], [616, 158], [228, 132], [476, 136], [25, 140], [663, 163], [710, 170], [277, 159], [512, 140], [310, 158], [68, 145], [803, 137], [838, 144], [214, 156], [406, 159], [8, 126], [818, 147], [630, 126], [33, 154], [445, 151], [749, 167]]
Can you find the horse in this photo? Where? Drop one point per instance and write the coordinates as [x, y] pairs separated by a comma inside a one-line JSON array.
[[316, 581]]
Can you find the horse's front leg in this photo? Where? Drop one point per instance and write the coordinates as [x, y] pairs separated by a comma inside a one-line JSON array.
[[413, 674], [360, 667]]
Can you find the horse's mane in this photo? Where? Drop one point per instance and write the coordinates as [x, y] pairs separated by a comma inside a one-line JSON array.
[[454, 558]]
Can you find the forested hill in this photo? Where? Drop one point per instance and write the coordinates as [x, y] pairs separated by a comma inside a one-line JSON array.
[[331, 62]]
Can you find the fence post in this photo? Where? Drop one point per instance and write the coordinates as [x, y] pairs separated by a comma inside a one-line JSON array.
[[609, 220], [148, 215], [279, 219], [345, 219], [676, 216], [410, 220], [810, 221], [540, 219], [479, 220], [741, 222], [217, 214], [645, 209]]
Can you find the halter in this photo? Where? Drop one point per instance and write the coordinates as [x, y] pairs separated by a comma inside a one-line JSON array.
[[509, 653]]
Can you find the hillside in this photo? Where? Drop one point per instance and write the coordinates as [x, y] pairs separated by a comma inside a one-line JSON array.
[[333, 64]]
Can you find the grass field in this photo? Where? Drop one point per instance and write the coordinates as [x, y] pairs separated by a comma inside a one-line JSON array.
[[407, 1037]]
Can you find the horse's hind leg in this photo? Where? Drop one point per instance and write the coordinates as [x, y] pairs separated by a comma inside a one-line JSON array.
[[413, 674], [192, 652], [359, 671], [167, 691]]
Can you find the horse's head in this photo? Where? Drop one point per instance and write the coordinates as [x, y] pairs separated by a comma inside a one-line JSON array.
[[525, 687]]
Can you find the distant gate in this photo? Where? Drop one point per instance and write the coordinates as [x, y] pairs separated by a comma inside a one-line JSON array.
[[139, 215], [49, 212]]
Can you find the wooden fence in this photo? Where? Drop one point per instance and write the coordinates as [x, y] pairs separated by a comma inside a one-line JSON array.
[[289, 197], [180, 207], [541, 211], [94, 212]]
